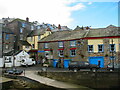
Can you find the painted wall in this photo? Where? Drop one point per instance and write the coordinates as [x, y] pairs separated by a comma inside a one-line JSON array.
[[95, 43], [35, 39]]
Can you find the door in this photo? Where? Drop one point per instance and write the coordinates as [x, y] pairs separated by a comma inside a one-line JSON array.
[[95, 60]]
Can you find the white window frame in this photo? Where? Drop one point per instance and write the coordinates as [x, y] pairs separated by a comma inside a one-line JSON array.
[[61, 44], [72, 43], [61, 53], [72, 53], [46, 45], [89, 48]]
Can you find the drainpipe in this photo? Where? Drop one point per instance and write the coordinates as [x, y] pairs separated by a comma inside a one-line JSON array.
[[112, 55]]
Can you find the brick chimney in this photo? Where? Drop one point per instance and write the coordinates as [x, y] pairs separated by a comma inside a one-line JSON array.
[[59, 26], [27, 19]]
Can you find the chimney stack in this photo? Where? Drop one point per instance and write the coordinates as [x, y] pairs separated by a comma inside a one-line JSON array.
[[59, 26], [27, 19]]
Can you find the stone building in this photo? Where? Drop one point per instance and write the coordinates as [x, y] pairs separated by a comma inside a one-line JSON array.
[[64, 46], [104, 45], [21, 28], [85, 44], [1, 49]]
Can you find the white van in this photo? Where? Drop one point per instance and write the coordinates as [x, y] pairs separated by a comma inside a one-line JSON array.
[[28, 61]]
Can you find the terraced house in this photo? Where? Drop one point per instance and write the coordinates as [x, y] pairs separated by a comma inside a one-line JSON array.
[[104, 45], [33, 39], [21, 28], [91, 45], [64, 46]]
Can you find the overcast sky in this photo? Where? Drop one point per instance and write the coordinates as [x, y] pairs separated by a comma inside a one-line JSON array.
[[95, 13]]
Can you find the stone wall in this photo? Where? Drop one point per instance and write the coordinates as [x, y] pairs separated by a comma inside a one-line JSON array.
[[88, 79]]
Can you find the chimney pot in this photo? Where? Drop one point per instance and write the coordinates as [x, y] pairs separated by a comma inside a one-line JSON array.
[[27, 19]]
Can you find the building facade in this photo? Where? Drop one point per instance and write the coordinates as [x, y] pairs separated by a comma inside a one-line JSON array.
[[21, 28], [1, 49], [91, 45], [63, 46]]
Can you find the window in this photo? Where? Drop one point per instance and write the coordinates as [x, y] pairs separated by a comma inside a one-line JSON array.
[[46, 45], [7, 36], [112, 47], [21, 30], [31, 39], [112, 58], [32, 27], [73, 52], [61, 44], [100, 48], [6, 46], [72, 43], [90, 48], [60, 53], [39, 37], [38, 27], [33, 46], [23, 24], [21, 37], [27, 47]]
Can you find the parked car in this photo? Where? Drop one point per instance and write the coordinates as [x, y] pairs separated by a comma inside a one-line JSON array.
[[77, 65], [14, 71], [116, 66], [28, 61]]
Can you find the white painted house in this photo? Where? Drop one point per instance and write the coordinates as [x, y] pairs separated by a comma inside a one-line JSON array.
[[15, 59]]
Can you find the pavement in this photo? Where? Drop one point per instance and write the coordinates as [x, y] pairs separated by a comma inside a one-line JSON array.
[[50, 82]]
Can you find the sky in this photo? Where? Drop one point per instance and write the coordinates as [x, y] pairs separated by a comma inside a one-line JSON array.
[[71, 13]]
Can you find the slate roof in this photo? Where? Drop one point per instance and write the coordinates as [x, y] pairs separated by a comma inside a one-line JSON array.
[[24, 43], [36, 32], [9, 53], [7, 30], [76, 34], [64, 35], [102, 32]]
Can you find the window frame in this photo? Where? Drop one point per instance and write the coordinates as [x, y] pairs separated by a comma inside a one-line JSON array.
[[60, 44], [71, 53], [7, 36], [89, 49], [111, 47], [21, 30], [71, 44], [101, 48], [46, 45], [59, 53]]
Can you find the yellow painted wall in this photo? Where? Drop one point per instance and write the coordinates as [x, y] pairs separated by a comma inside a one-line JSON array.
[[35, 39], [95, 43]]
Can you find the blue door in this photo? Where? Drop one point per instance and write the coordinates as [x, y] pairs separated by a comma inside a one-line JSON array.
[[55, 61], [66, 63], [95, 60]]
